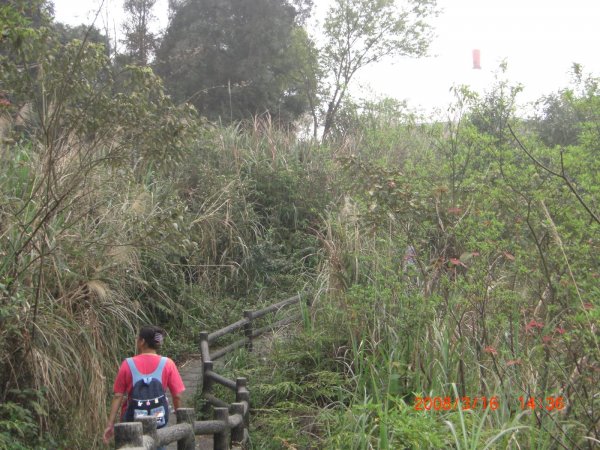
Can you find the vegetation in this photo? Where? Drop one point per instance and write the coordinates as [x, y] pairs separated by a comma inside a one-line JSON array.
[[447, 258], [218, 56], [139, 40], [363, 32]]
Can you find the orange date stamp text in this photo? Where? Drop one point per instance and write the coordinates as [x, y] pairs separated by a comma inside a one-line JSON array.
[[466, 403], [454, 403]]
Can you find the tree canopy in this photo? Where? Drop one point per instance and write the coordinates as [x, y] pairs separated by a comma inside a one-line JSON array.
[[139, 40], [232, 58], [362, 32]]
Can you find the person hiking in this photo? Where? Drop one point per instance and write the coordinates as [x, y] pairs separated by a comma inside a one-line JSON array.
[[143, 379]]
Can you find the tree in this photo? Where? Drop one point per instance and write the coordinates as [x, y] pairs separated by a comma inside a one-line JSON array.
[[139, 40], [492, 112], [362, 32], [37, 11], [562, 116], [66, 33], [233, 59], [557, 120], [305, 72]]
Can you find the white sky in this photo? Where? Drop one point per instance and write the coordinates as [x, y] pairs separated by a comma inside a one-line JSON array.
[[540, 40]]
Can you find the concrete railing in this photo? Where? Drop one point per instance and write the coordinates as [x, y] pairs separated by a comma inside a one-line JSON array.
[[226, 429], [209, 377]]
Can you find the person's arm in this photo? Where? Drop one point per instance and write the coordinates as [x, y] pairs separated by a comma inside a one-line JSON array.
[[114, 409], [175, 384], [177, 401]]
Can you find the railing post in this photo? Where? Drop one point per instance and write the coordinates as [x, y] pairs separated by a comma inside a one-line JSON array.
[[242, 395], [204, 350], [241, 392], [240, 386], [220, 439], [186, 415], [207, 384], [237, 433], [248, 330], [149, 427], [128, 434]]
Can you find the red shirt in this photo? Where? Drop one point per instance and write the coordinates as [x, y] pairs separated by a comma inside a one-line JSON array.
[[147, 363]]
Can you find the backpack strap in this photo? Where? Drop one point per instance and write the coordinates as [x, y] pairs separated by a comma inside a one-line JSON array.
[[136, 375], [159, 369]]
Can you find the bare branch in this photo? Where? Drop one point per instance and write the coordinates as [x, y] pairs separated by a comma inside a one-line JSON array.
[[562, 175]]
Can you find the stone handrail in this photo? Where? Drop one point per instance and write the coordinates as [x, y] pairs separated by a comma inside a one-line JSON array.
[[229, 425]]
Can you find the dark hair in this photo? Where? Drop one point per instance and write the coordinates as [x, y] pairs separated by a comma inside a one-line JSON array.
[[152, 335]]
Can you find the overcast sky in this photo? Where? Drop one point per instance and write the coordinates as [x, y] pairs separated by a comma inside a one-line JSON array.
[[539, 39]]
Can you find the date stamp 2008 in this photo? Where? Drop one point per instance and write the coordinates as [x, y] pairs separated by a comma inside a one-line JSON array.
[[453, 404], [482, 403]]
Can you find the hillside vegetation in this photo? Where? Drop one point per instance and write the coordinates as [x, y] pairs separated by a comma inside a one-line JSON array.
[[455, 257]]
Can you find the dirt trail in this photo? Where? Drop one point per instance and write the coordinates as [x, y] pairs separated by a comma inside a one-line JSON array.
[[191, 374]]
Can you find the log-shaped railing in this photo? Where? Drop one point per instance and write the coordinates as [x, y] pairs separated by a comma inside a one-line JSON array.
[[249, 332], [230, 422], [209, 376], [228, 427]]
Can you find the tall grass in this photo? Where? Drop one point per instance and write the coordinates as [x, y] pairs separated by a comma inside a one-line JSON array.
[[466, 316], [102, 229], [60, 285], [93, 249]]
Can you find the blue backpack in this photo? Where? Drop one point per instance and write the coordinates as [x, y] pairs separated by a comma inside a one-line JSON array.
[[148, 396]]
